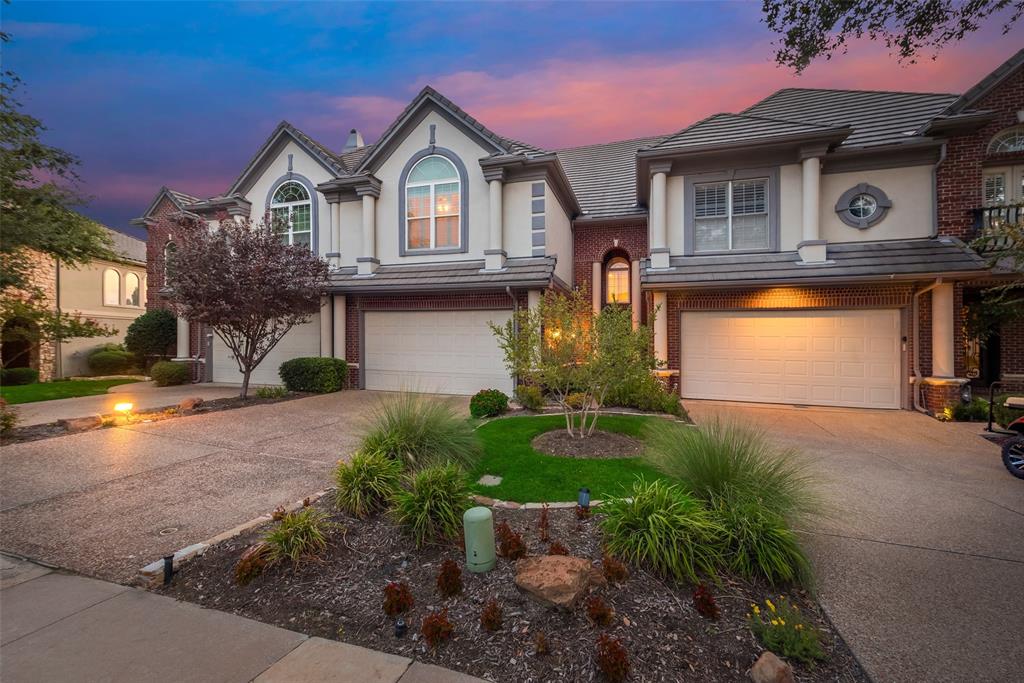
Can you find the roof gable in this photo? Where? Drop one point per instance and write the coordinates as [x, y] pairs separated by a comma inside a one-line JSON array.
[[179, 199], [285, 132], [430, 100]]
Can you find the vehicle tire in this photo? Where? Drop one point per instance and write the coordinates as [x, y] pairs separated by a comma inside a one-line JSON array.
[[1013, 456]]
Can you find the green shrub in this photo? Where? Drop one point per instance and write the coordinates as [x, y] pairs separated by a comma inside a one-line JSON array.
[[662, 527], [367, 483], [530, 396], [420, 431], [431, 504], [760, 543], [167, 373], [782, 629], [153, 333], [1003, 414], [644, 392], [110, 359], [975, 411], [8, 417], [316, 375], [488, 403], [271, 392], [18, 376], [299, 535]]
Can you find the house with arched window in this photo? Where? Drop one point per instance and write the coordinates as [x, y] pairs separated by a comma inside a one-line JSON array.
[[811, 249]]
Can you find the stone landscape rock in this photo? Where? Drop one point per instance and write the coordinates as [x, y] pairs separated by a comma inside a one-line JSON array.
[[81, 424], [559, 580], [770, 669], [190, 403]]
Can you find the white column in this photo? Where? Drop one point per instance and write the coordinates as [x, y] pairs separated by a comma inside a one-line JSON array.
[[181, 351], [339, 327], [495, 254], [659, 221], [533, 298], [812, 248], [661, 326], [942, 331], [368, 260], [336, 231], [636, 296], [596, 288], [325, 327]]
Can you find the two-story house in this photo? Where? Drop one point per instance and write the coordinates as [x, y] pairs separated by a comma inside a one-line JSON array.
[[788, 253]]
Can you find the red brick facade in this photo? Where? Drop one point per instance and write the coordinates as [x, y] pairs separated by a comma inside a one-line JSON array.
[[594, 243]]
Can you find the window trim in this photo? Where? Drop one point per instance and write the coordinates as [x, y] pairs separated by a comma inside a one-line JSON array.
[[460, 170], [771, 174], [882, 201], [314, 205], [616, 259], [117, 294], [997, 139]]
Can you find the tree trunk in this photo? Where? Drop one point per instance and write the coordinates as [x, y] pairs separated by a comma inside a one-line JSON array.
[[245, 383]]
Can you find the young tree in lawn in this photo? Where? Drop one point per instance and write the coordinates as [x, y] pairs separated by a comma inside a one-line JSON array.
[[243, 282]]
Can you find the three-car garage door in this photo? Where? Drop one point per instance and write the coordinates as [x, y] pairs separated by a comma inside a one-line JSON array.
[[830, 358], [444, 352]]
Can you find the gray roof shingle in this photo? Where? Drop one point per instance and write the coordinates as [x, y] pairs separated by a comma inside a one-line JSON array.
[[127, 247], [451, 275], [877, 118], [603, 176], [906, 259], [726, 128]]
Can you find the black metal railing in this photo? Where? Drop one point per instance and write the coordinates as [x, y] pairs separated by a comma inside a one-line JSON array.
[[989, 222]]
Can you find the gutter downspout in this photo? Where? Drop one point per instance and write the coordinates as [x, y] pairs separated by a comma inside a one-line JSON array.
[[915, 336]]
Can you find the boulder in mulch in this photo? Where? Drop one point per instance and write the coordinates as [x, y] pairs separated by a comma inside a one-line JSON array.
[[190, 403], [559, 580], [770, 669], [81, 424]]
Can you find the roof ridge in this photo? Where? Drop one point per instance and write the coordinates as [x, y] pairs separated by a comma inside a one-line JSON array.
[[692, 125], [855, 90], [660, 136]]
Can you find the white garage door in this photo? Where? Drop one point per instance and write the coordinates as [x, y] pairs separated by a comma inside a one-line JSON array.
[[444, 352], [301, 341], [829, 358]]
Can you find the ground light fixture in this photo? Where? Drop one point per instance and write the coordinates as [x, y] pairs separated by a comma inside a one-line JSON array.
[[400, 627], [124, 408], [583, 499]]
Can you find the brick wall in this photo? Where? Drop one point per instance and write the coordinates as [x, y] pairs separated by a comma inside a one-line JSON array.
[[158, 234], [1011, 355], [43, 276], [591, 244]]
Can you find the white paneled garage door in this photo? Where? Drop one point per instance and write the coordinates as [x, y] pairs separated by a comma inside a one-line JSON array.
[[444, 352], [301, 340], [829, 358]]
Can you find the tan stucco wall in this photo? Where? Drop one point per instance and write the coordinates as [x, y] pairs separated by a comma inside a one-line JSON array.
[[558, 235], [910, 190], [516, 219], [790, 209]]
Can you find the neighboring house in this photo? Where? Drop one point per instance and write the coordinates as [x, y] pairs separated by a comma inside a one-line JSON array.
[[112, 293], [795, 252]]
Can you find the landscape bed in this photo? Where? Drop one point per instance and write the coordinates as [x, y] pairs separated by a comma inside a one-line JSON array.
[[340, 596]]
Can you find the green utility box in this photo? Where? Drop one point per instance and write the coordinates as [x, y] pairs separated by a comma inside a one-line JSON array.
[[478, 524]]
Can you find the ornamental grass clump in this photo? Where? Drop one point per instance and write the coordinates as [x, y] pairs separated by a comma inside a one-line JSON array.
[[782, 629], [431, 503], [299, 535], [419, 431], [367, 483], [660, 526]]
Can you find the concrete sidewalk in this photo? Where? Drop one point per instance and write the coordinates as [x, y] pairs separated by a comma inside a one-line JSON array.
[[144, 395], [62, 627]]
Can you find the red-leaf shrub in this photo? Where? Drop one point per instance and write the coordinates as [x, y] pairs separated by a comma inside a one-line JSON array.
[[397, 599], [598, 611], [436, 628], [449, 580], [704, 602], [614, 570], [490, 618], [510, 543], [612, 658], [557, 548]]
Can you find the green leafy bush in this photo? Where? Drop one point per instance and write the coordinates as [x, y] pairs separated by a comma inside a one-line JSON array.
[[317, 375], [271, 392], [167, 373], [154, 333], [298, 535], [110, 359], [431, 504], [760, 543], [644, 392], [1003, 414], [530, 396], [661, 526], [783, 630], [488, 403], [975, 411], [421, 431], [367, 483], [8, 417], [18, 376]]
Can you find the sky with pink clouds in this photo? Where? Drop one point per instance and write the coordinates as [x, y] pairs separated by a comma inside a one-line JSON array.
[[183, 93]]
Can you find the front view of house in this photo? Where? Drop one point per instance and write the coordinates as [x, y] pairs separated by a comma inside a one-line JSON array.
[[809, 249]]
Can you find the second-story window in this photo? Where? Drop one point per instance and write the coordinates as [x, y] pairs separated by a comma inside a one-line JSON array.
[[132, 290], [731, 215], [433, 196], [291, 214], [111, 287]]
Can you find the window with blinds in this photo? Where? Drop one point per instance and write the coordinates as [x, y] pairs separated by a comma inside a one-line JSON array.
[[731, 215]]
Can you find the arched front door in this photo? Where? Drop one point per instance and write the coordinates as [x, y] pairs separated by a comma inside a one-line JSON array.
[[16, 343]]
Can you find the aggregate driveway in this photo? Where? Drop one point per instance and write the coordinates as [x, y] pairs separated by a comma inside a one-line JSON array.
[[107, 502], [921, 561]]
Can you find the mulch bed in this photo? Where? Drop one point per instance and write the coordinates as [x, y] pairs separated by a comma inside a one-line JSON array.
[[340, 597], [598, 445]]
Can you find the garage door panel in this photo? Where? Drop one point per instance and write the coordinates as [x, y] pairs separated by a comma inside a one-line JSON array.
[[842, 358]]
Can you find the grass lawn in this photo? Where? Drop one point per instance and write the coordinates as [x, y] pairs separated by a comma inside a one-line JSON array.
[[47, 391], [529, 476]]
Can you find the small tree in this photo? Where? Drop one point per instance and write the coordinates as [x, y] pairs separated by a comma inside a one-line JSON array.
[[1003, 244], [247, 285], [578, 357], [152, 334], [30, 321]]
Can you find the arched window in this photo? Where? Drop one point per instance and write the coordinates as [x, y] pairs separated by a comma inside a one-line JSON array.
[[1009, 140], [111, 287], [169, 250], [433, 198], [132, 290], [616, 281], [291, 212]]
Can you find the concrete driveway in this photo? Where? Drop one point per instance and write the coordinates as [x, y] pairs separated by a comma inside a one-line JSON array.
[[108, 502], [921, 564]]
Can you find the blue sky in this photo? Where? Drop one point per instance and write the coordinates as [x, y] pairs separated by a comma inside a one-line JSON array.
[[183, 93]]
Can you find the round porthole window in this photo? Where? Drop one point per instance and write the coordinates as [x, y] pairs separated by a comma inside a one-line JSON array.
[[862, 206]]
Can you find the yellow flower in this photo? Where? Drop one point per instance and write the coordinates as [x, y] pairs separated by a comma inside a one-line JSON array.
[[774, 623], [770, 605], [757, 610], [799, 627], [782, 621]]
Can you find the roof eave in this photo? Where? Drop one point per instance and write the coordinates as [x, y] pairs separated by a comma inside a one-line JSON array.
[[880, 278], [283, 128]]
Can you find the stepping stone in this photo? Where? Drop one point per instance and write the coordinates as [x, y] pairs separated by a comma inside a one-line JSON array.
[[489, 480]]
